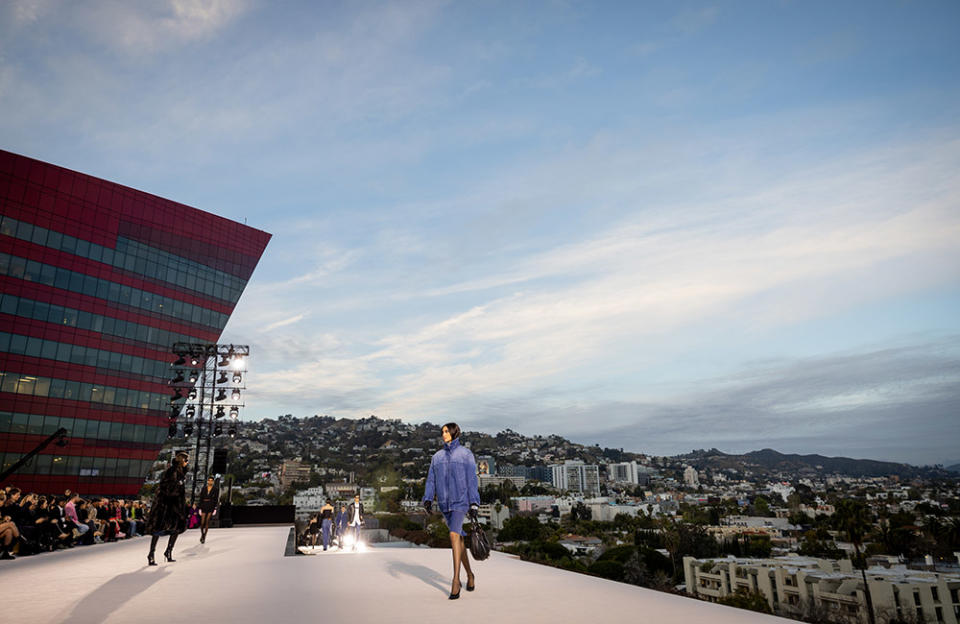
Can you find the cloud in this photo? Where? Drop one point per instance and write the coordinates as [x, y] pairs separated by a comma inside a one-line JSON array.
[[285, 322]]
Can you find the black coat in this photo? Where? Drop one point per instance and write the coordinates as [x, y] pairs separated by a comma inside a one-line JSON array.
[[209, 500], [168, 514]]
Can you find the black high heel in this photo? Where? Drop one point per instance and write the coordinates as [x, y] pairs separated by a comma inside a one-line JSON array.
[[169, 557], [151, 560], [453, 596], [471, 587]]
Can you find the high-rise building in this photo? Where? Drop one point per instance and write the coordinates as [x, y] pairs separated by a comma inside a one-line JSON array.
[[690, 476], [97, 281], [624, 472], [575, 476]]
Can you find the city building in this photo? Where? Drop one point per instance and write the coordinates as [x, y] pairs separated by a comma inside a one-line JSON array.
[[530, 473], [575, 476], [690, 476], [486, 465], [308, 502], [624, 472], [485, 480], [97, 282], [796, 586], [293, 471]]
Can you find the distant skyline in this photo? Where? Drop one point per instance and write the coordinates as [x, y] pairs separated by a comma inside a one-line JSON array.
[[652, 225]]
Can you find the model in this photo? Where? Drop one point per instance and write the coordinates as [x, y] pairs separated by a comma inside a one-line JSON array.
[[453, 480], [355, 516], [168, 514], [209, 499]]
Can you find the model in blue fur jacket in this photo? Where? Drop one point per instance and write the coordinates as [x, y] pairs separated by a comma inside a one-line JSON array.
[[453, 480]]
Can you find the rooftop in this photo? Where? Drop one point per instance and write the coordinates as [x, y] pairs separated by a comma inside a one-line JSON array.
[[240, 575]]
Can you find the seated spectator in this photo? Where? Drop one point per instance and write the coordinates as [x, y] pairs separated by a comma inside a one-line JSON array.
[[80, 529], [9, 533]]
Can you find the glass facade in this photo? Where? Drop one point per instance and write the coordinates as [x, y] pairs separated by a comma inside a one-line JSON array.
[[97, 281]]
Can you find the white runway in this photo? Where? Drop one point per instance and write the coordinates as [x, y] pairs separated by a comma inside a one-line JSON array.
[[241, 576]]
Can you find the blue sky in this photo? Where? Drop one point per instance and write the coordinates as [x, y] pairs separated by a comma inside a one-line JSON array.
[[651, 225]]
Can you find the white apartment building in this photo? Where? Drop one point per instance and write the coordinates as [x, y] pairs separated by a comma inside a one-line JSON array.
[[794, 586], [690, 476], [575, 476], [624, 472], [308, 502]]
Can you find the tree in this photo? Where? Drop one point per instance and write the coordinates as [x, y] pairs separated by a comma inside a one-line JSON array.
[[747, 599], [853, 518]]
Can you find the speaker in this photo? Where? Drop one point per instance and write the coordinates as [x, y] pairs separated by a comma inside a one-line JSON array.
[[219, 461]]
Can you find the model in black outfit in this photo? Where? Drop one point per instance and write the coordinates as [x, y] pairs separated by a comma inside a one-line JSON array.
[[169, 511], [209, 498]]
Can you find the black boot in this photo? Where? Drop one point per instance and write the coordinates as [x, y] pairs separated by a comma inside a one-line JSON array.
[[168, 553], [203, 536], [153, 548]]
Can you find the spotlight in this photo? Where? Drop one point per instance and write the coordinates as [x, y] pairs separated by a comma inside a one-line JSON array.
[[234, 412], [180, 360], [194, 376], [172, 429], [222, 395], [237, 362], [232, 430], [218, 429], [191, 411], [223, 377], [192, 394], [177, 395], [194, 360], [62, 441], [174, 412], [237, 378], [220, 413], [225, 359], [178, 378], [188, 428], [236, 394]]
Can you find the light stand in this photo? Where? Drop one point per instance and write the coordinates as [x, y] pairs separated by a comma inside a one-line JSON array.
[[213, 368]]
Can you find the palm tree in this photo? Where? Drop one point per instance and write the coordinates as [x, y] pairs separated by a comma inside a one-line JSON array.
[[852, 517]]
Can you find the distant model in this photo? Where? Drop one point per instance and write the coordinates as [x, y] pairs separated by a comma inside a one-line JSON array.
[[355, 516], [209, 499], [168, 514], [453, 480], [341, 521], [326, 524]]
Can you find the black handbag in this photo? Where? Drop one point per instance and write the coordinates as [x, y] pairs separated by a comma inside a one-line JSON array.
[[478, 544]]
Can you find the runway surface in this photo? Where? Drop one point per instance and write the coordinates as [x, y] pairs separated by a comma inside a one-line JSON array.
[[241, 576]]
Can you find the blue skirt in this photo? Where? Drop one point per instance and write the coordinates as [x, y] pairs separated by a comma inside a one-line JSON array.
[[454, 519]]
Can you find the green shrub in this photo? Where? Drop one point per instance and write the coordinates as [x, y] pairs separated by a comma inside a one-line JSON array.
[[608, 569]]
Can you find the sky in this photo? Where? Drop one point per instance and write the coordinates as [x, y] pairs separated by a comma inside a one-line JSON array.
[[657, 226]]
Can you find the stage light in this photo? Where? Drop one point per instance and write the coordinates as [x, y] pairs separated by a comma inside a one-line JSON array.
[[194, 360], [178, 378], [194, 376], [237, 362], [180, 361], [220, 413], [234, 412], [235, 395], [172, 429], [188, 428], [174, 412], [177, 395], [225, 359], [191, 411], [237, 378], [218, 429], [221, 395], [232, 431], [192, 394], [223, 377]]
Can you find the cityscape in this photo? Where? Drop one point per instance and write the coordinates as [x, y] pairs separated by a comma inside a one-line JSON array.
[[762, 531]]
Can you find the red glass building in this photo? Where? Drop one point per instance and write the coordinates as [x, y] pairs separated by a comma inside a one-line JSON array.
[[97, 281]]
